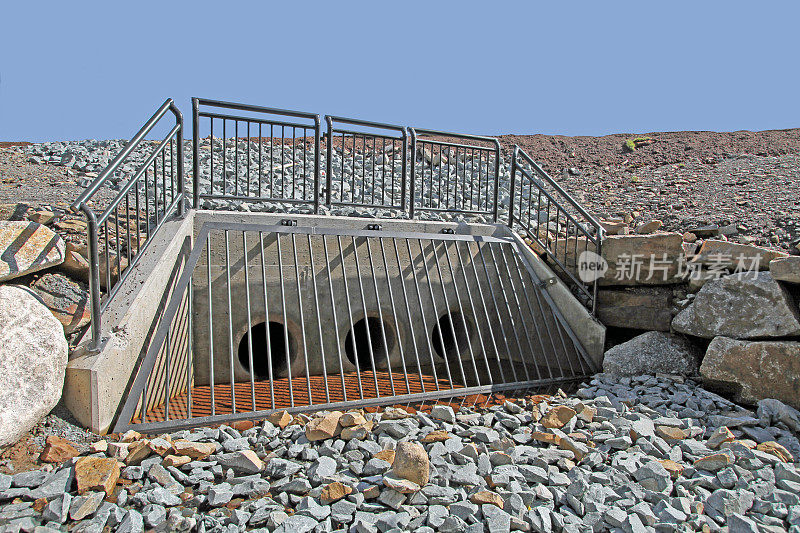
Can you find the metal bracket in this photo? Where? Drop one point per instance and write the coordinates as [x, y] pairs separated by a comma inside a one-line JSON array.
[[288, 222], [448, 231], [374, 227]]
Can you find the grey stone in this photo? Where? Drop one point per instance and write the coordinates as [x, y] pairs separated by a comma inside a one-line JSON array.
[[651, 352], [279, 468], [762, 309], [132, 523], [219, 495], [57, 510], [86, 505], [153, 515]]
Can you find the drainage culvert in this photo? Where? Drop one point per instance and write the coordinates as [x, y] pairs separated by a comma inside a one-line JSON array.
[[354, 317]]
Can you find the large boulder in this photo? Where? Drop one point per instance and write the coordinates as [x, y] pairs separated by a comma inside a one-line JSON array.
[[66, 299], [642, 259], [731, 255], [27, 247], [647, 308], [33, 359], [754, 370], [786, 269], [650, 353], [742, 306]]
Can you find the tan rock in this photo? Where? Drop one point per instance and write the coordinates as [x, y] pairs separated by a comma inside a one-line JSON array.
[[57, 450], [138, 451], [777, 450], [27, 247], [324, 427], [615, 227], [130, 436], [96, 473], [100, 446], [385, 455], [118, 450], [689, 237], [437, 435], [280, 419], [786, 269], [720, 436], [729, 254], [675, 469], [352, 419], [196, 450], [160, 446], [587, 413], [356, 432], [333, 492], [176, 460], [548, 438], [714, 462], [42, 216], [671, 434], [394, 413], [487, 497], [649, 227], [558, 417], [754, 370], [411, 462], [75, 263]]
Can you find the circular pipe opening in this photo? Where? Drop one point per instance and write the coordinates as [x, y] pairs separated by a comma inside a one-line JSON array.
[[369, 331], [451, 334], [269, 342]]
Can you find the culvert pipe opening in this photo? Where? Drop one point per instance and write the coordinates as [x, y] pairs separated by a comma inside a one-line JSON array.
[[369, 333], [268, 344], [451, 334]]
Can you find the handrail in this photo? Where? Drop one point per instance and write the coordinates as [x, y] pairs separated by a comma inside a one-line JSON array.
[[368, 123], [556, 186], [496, 148], [94, 221], [256, 109], [595, 237], [245, 194], [168, 105]]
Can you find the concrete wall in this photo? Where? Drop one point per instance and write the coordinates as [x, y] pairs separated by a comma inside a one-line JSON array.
[[96, 383]]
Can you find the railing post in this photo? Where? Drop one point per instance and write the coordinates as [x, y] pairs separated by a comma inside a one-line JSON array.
[[181, 152], [412, 177], [196, 152], [317, 128], [496, 178], [94, 278], [329, 161], [511, 189], [403, 170]]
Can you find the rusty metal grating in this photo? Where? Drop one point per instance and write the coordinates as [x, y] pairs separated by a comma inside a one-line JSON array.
[[299, 318]]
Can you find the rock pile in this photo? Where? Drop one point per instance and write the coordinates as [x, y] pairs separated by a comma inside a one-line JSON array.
[[625, 454]]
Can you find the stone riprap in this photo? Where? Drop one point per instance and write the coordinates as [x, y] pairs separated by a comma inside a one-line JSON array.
[[646, 453]]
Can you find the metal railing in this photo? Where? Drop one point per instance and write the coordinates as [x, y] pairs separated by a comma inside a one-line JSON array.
[[249, 155], [382, 159], [120, 231], [454, 177], [256, 171], [556, 226], [302, 319]]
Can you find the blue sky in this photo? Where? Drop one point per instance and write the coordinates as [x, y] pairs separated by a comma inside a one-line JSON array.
[[76, 70]]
